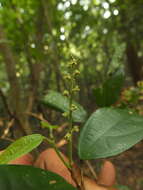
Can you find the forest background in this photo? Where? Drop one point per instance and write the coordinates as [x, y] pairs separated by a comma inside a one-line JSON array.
[[39, 38]]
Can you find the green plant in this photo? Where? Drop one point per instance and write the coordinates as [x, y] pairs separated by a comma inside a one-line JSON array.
[[107, 132], [132, 98], [27, 177], [109, 92]]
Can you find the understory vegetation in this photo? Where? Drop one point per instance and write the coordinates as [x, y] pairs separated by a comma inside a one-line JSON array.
[[71, 72]]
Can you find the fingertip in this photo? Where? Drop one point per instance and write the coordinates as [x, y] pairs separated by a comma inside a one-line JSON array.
[[49, 160], [107, 174]]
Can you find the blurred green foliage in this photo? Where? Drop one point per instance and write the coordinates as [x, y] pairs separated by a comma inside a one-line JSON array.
[[132, 98], [39, 38], [49, 32]]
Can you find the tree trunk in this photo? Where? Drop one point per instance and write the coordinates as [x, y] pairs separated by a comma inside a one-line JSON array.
[[134, 63], [55, 58], [15, 91]]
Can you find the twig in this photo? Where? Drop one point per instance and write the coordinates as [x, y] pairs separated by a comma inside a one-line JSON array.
[[37, 116], [61, 143], [91, 169], [5, 103], [62, 127], [6, 131], [8, 139]]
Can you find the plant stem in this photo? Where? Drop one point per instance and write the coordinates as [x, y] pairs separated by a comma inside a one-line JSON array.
[[52, 142], [70, 125], [61, 157]]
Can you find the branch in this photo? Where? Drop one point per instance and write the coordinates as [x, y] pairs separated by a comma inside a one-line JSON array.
[[5, 103], [6, 131], [15, 90]]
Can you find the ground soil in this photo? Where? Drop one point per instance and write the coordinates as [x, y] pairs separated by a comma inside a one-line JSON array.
[[129, 167]]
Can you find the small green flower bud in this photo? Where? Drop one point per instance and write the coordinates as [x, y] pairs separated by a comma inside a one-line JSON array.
[[72, 63], [76, 89], [67, 136], [76, 128], [141, 98], [77, 72], [73, 107], [66, 93], [65, 114], [140, 83], [67, 76]]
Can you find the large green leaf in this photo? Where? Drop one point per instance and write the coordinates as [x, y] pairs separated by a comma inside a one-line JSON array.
[[61, 103], [18, 177], [109, 132], [109, 93], [20, 147]]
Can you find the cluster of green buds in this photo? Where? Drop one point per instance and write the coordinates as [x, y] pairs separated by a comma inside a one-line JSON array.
[[66, 93], [67, 136], [73, 107], [74, 129], [70, 77], [72, 63], [76, 89], [67, 76], [77, 72], [72, 88], [132, 98]]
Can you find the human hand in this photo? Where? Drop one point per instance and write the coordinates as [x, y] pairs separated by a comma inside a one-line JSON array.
[[49, 160]]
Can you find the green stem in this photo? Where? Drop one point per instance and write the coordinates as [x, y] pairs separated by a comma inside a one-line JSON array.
[[61, 157], [52, 142], [70, 152]]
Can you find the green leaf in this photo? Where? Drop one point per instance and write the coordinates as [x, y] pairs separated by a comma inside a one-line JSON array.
[[18, 177], [20, 147], [61, 103], [109, 93], [47, 125], [109, 132]]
